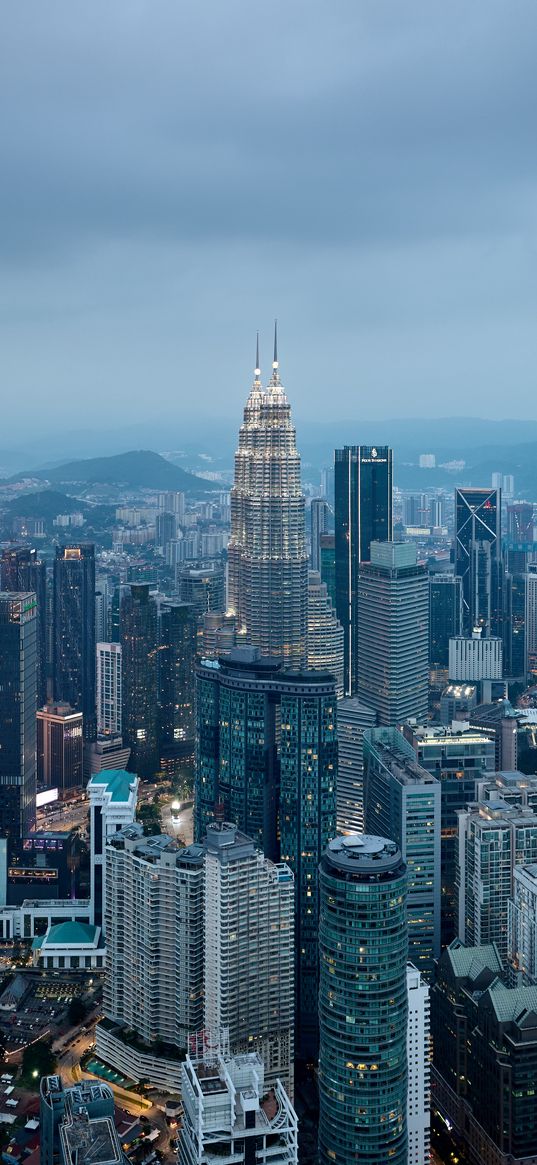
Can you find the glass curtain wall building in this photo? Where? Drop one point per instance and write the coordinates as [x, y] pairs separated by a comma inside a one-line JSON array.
[[363, 514], [363, 1003]]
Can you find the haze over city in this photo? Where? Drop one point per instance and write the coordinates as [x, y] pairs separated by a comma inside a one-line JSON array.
[[174, 176]]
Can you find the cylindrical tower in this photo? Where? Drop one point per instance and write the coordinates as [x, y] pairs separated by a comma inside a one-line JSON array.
[[363, 1003]]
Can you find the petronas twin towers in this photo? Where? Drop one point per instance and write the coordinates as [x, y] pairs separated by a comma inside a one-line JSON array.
[[268, 563]]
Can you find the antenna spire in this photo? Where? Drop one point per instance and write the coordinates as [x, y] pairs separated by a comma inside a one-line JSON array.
[[275, 378], [257, 367]]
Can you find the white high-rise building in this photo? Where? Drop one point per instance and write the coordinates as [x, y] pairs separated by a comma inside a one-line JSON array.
[[249, 950], [353, 718], [419, 1068], [109, 689], [472, 658], [172, 502], [493, 838], [268, 563], [325, 633], [154, 926], [231, 1114], [113, 794]]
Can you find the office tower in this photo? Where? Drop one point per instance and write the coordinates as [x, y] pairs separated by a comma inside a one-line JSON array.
[[402, 801], [484, 1071], [445, 616], [478, 558], [457, 702], [18, 702], [393, 637], [418, 1113], [219, 634], [520, 545], [493, 837], [267, 758], [107, 752], [363, 514], [530, 620], [109, 689], [523, 922], [458, 756], [230, 1114], [173, 502], [102, 610], [166, 528], [154, 928], [318, 523], [327, 484], [249, 950], [21, 569], [74, 631], [327, 564], [203, 587], [267, 560], [514, 626], [353, 718], [363, 1006], [112, 805], [59, 748], [139, 663], [77, 1124], [325, 633], [176, 679]]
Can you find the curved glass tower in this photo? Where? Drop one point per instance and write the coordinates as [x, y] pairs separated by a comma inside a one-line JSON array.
[[363, 1003], [268, 564]]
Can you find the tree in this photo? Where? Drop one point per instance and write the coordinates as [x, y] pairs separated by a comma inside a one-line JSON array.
[[76, 1010], [37, 1060]]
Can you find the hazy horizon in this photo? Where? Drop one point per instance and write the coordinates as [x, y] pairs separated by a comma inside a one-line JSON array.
[[176, 176]]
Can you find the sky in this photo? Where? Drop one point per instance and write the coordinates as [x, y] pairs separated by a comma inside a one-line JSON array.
[[175, 174]]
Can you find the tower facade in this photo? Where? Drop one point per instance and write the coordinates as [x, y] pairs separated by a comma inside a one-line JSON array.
[[59, 747], [109, 691], [249, 950], [363, 514], [393, 640], [177, 657], [18, 655], [478, 558], [74, 631], [138, 619], [23, 570], [325, 633], [268, 563], [363, 1004]]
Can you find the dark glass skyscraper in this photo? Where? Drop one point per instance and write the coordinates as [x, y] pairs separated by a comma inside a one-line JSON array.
[[23, 570], [478, 558], [18, 706], [363, 514], [445, 616], [267, 761], [138, 622], [363, 1003], [74, 631], [176, 658]]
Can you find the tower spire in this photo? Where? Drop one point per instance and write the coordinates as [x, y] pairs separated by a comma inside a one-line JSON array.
[[257, 367], [275, 379]]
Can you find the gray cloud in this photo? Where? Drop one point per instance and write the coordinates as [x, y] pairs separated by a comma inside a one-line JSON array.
[[175, 174]]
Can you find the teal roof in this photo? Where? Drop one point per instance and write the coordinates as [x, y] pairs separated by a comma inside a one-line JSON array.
[[38, 942], [469, 962], [117, 781], [71, 934], [512, 1004]]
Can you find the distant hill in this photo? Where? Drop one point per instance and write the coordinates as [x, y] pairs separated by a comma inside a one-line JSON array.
[[139, 469], [47, 504]]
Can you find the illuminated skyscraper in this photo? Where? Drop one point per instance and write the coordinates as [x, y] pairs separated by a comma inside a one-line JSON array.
[[21, 569], [268, 563], [363, 514], [325, 633], [139, 654], [74, 631], [18, 672]]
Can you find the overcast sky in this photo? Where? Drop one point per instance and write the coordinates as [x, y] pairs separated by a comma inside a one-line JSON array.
[[174, 174]]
